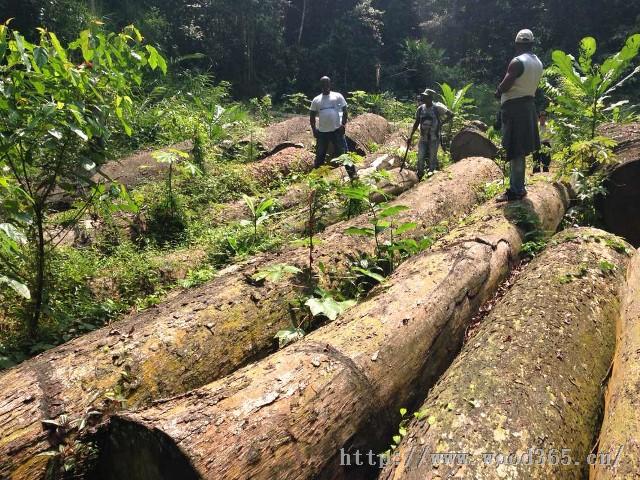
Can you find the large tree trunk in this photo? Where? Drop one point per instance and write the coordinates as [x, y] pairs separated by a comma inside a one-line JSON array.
[[198, 336], [620, 434], [620, 207], [531, 375], [289, 415], [362, 131]]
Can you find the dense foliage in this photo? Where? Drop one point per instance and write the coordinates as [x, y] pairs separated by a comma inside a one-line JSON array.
[[283, 46]]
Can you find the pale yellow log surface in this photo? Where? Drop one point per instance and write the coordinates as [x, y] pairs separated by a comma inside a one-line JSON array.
[[200, 335], [531, 375], [288, 415], [620, 434]]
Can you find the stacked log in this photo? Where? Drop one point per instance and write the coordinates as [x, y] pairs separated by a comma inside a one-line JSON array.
[[198, 336], [527, 386], [471, 142], [365, 130], [289, 415], [620, 435], [620, 207]]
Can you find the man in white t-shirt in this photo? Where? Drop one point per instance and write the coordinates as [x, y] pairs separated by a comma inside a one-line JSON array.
[[330, 110]]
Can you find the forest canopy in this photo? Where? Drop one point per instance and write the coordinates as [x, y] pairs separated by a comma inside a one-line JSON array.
[[371, 45]]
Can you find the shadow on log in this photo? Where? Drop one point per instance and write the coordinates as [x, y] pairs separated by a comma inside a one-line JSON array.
[[530, 377], [472, 143], [620, 434], [197, 336], [365, 130], [620, 208], [289, 415]]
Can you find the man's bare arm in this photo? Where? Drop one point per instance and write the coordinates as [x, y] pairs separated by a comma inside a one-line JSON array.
[[513, 72], [312, 121]]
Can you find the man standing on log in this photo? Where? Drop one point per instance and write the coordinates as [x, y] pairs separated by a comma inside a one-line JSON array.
[[520, 134], [331, 110], [430, 117]]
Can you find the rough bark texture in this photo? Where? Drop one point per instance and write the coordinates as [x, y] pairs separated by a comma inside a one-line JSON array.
[[294, 131], [621, 427], [531, 375], [201, 335], [365, 130], [621, 206], [472, 143], [288, 415], [362, 131], [280, 164], [386, 159]]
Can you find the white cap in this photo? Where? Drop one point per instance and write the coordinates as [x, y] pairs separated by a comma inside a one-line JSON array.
[[524, 36]]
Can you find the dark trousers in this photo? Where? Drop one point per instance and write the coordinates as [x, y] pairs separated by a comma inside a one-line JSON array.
[[542, 158], [339, 142]]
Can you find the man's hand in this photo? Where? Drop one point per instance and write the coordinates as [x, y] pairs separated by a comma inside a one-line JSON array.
[[498, 93], [315, 132]]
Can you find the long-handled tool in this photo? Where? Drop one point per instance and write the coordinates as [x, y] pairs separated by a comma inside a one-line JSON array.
[[404, 160]]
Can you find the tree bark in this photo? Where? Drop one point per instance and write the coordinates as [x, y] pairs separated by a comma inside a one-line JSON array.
[[362, 131], [620, 434], [530, 377], [289, 415], [198, 336]]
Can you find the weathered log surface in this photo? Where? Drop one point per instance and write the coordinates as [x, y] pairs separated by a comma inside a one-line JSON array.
[[620, 207], [288, 415], [621, 426], [472, 143], [365, 130], [531, 375], [280, 164], [295, 131], [199, 336], [295, 194]]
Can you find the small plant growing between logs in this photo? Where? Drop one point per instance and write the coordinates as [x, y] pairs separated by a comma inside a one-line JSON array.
[[259, 212]]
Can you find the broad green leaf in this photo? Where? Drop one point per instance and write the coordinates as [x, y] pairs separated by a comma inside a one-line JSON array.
[[13, 233], [58, 47], [376, 276], [275, 273], [328, 307], [564, 63], [18, 287], [265, 205], [588, 47], [391, 211], [359, 231], [80, 133], [40, 56], [406, 227], [87, 52]]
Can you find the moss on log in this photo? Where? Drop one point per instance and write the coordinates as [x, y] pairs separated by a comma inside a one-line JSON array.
[[620, 434], [200, 335], [531, 375], [288, 415]]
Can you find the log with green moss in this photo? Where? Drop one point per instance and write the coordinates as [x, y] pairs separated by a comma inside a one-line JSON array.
[[619, 439], [289, 415], [531, 375], [197, 336]]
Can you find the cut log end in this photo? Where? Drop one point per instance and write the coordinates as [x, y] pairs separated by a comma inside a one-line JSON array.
[[621, 206], [132, 451], [472, 143]]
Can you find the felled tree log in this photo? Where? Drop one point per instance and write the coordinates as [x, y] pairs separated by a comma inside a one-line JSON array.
[[289, 415], [531, 375], [198, 336], [472, 143], [620, 434], [365, 130], [293, 132], [280, 164], [620, 207]]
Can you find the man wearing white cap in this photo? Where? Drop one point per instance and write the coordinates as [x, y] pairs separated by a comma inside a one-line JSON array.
[[520, 134]]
